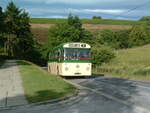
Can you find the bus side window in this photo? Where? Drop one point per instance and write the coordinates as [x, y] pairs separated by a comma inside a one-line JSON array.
[[49, 56], [62, 54]]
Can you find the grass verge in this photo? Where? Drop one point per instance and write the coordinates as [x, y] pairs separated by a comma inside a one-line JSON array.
[[41, 86], [131, 63]]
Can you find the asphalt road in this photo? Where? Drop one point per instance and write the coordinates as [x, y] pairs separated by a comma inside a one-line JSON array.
[[98, 94]]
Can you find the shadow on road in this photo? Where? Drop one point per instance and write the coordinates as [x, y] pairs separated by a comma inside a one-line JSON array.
[[12, 63], [40, 96], [84, 77]]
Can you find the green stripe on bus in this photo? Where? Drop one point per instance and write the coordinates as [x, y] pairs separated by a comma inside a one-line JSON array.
[[76, 48], [76, 61], [71, 61]]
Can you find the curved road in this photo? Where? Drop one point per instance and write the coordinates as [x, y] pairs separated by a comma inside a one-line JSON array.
[[98, 94]]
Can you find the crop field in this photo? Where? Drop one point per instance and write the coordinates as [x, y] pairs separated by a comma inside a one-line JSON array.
[[84, 21], [40, 31], [40, 26], [131, 63]]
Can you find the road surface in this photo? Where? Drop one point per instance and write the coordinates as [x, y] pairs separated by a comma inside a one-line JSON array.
[[11, 91], [98, 94]]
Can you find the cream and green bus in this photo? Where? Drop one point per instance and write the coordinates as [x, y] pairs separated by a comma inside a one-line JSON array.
[[70, 59]]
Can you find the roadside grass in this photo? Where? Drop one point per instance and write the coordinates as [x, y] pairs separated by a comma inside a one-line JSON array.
[[84, 21], [39, 85], [131, 63]]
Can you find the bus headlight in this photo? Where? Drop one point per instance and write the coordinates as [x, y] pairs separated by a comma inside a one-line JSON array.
[[88, 68], [66, 68], [77, 66]]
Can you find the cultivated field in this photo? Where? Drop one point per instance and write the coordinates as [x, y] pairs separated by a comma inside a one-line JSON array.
[[40, 26], [40, 31], [84, 21]]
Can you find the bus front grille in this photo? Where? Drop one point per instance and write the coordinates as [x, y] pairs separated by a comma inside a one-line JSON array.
[[77, 73]]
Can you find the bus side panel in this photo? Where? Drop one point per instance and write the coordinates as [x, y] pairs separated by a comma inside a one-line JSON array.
[[53, 68]]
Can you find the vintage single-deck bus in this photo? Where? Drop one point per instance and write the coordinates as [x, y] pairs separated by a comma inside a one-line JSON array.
[[70, 59]]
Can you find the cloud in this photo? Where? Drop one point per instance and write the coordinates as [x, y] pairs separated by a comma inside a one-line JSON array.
[[108, 11], [63, 1], [83, 8], [61, 11], [76, 2]]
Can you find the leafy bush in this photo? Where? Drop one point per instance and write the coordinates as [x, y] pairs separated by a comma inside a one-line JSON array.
[[71, 31], [139, 36], [102, 54], [114, 39]]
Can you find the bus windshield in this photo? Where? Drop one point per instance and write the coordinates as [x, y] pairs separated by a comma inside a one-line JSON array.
[[77, 54]]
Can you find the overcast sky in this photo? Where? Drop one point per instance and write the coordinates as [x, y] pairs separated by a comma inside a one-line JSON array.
[[114, 9]]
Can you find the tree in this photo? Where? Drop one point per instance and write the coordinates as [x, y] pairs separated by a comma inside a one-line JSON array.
[[71, 31], [145, 18], [115, 39], [1, 20], [19, 40], [96, 17], [74, 21], [1, 26], [25, 36], [101, 54]]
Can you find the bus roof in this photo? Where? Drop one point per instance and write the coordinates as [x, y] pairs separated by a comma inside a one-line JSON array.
[[75, 45], [72, 45]]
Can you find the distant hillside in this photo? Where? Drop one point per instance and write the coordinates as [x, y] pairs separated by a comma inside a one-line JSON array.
[[131, 63], [40, 31], [85, 21], [40, 26]]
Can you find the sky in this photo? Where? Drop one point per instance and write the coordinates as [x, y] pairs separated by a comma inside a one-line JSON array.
[[109, 9]]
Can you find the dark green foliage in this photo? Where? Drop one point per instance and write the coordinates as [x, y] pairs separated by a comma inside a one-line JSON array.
[[19, 43], [17, 39], [102, 54], [146, 19], [74, 21], [114, 39], [139, 36], [1, 28], [96, 17], [1, 20]]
